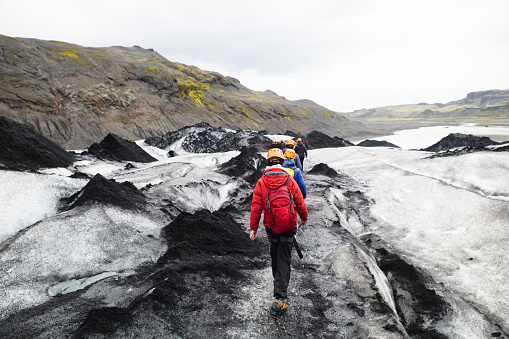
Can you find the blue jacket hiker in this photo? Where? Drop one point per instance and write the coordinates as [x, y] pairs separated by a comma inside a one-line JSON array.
[[289, 145], [297, 174]]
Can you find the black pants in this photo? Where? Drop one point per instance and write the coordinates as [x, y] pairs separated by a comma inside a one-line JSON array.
[[281, 246], [301, 158]]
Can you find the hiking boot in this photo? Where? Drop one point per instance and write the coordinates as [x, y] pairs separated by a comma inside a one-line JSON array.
[[279, 306]]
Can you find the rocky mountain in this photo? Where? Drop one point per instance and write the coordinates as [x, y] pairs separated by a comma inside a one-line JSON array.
[[491, 104], [76, 95]]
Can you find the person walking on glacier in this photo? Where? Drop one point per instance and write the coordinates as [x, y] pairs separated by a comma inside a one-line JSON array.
[[295, 172], [278, 196], [301, 151], [290, 144]]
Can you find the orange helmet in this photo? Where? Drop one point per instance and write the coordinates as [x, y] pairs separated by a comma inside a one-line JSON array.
[[275, 152], [289, 154], [290, 143]]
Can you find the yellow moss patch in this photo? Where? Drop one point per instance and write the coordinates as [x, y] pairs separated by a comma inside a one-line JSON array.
[[288, 118], [69, 54], [245, 111], [196, 95], [123, 119], [193, 89], [328, 114], [153, 69], [58, 42]]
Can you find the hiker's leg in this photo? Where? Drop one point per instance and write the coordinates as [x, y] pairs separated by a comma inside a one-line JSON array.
[[274, 244], [284, 256]]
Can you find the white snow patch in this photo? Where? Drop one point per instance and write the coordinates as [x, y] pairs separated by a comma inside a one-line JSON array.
[[448, 215], [278, 137], [64, 172], [83, 241], [156, 152], [26, 198]]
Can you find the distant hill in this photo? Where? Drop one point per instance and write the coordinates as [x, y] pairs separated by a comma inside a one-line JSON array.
[[492, 104], [76, 95]]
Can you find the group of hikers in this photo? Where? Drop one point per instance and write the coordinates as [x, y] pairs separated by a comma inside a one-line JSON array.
[[280, 194]]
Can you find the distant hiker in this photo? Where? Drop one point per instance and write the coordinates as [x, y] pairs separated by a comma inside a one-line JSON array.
[[296, 173], [289, 145], [275, 194], [281, 144], [274, 144], [301, 151]]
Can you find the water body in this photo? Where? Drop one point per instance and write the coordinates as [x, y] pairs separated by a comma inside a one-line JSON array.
[[426, 136]]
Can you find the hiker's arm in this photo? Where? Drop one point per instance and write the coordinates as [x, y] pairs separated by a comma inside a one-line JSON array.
[[256, 210], [298, 199], [302, 185], [297, 162]]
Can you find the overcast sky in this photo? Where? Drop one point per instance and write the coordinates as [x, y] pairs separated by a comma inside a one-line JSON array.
[[342, 54]]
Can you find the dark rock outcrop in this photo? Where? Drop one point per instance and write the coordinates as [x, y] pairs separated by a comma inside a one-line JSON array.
[[115, 148], [376, 143], [206, 263], [324, 169], [203, 138], [291, 134], [320, 140], [204, 234], [24, 149], [103, 191], [79, 175], [104, 320], [455, 140], [249, 165]]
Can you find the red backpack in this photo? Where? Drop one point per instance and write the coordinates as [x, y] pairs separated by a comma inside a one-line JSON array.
[[281, 206]]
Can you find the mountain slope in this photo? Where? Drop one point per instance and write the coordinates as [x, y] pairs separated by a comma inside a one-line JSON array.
[[479, 105], [76, 95]]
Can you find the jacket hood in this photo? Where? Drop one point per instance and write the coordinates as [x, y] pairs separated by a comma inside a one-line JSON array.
[[275, 176]]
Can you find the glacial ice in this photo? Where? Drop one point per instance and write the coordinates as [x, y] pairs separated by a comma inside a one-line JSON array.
[[448, 216]]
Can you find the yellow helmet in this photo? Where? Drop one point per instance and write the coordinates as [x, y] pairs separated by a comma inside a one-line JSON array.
[[289, 154], [275, 152], [299, 139], [290, 142]]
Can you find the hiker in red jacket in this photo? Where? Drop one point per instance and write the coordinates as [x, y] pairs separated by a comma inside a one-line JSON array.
[[276, 179]]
